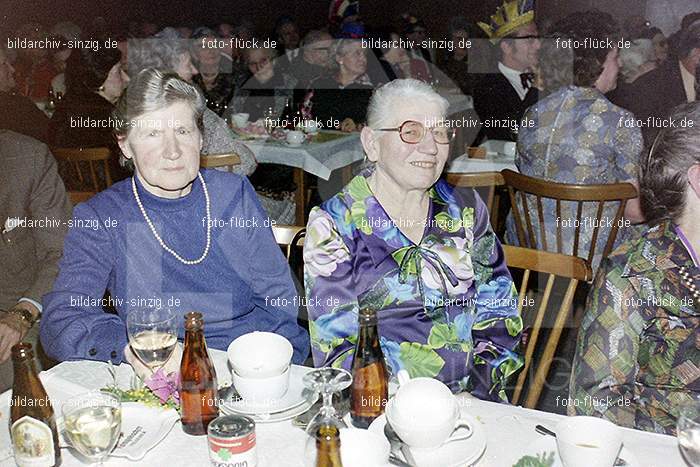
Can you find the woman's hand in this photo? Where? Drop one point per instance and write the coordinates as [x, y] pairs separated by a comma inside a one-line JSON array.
[[144, 372], [12, 330], [348, 125]]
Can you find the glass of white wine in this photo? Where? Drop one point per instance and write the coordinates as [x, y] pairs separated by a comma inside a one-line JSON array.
[[688, 430], [92, 424], [152, 335]]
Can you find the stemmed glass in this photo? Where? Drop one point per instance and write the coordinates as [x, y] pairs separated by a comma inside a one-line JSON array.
[[152, 335], [326, 381], [688, 427], [92, 424]]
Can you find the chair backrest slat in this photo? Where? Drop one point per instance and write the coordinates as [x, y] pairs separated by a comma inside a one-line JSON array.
[[74, 157], [219, 160], [520, 186], [489, 180]]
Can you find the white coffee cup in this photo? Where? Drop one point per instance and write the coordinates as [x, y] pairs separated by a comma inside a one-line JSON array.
[[260, 354], [425, 414], [262, 390], [585, 441], [509, 148], [240, 119], [311, 126], [295, 138], [363, 448]]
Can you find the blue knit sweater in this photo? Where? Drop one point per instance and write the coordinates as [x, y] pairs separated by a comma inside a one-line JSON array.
[[243, 285]]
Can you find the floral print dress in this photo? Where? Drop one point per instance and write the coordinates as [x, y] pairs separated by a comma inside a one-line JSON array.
[[447, 307]]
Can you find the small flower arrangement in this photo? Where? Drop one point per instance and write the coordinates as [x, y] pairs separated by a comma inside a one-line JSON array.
[[158, 390]]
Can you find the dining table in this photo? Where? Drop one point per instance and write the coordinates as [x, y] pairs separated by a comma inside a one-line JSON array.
[[319, 155], [509, 431]]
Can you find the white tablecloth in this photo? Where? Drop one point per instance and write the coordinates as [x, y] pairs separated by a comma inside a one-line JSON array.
[[319, 159], [510, 430]]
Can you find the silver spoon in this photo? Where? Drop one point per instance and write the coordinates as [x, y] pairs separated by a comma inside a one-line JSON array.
[[396, 442], [619, 462]]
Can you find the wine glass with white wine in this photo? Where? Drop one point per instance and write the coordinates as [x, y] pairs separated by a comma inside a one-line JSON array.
[[688, 430], [92, 424], [152, 335]]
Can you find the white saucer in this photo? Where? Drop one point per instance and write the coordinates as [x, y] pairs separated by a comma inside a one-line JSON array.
[[276, 416], [455, 454], [547, 444], [295, 396]]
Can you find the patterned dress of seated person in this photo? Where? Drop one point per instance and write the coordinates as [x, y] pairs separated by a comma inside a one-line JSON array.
[[446, 307]]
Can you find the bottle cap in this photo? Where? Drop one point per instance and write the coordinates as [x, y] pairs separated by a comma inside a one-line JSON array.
[[22, 350], [193, 319]]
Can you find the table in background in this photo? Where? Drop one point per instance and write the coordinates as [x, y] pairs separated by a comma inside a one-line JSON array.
[[510, 430], [328, 151]]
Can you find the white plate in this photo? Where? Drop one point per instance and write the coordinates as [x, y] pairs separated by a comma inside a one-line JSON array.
[[295, 396], [549, 444], [142, 429], [273, 417], [454, 454]]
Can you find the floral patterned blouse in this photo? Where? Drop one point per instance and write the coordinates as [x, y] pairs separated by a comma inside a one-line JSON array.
[[447, 307], [638, 351]]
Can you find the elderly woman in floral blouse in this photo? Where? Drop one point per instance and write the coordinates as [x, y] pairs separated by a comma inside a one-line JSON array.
[[638, 355], [418, 251]]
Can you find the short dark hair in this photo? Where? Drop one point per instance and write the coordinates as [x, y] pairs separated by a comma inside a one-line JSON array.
[[587, 61], [663, 175], [87, 69], [689, 39]]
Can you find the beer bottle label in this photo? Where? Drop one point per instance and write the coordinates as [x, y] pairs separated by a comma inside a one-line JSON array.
[[32, 442]]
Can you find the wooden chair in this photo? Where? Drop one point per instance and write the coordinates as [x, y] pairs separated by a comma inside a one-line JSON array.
[[520, 186], [289, 237], [219, 160], [489, 180], [78, 158], [554, 266]]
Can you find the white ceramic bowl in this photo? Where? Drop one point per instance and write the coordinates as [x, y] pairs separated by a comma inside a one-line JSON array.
[[295, 137], [585, 441], [262, 391], [311, 127], [240, 119], [362, 448], [260, 354]]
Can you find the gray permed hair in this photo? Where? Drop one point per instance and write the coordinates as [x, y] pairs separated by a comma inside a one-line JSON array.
[[163, 51], [663, 175], [386, 98], [153, 90]]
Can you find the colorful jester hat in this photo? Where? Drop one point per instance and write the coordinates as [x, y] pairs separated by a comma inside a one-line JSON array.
[[509, 17]]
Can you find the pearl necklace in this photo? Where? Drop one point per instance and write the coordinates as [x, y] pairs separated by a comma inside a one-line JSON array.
[[160, 240], [690, 284]]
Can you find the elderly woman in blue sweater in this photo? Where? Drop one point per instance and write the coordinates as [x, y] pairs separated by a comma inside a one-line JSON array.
[[171, 234]]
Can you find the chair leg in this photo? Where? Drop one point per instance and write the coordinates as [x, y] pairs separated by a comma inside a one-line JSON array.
[[540, 379]]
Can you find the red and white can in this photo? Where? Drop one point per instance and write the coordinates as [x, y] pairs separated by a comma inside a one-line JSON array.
[[231, 441]]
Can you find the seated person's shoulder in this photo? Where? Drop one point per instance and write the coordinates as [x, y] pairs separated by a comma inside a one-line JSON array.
[[23, 151]]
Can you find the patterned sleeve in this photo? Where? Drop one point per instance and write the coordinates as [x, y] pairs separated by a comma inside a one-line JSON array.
[[497, 325], [628, 144], [330, 291], [604, 369]]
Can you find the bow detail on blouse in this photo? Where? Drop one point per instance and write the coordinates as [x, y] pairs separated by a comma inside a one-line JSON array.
[[411, 261]]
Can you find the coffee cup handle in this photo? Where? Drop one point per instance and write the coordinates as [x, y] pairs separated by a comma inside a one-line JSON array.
[[455, 436]]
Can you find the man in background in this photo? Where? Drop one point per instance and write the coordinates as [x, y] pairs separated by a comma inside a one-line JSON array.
[[500, 99], [34, 216], [19, 112]]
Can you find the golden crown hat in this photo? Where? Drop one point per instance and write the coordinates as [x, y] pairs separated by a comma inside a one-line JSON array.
[[509, 17]]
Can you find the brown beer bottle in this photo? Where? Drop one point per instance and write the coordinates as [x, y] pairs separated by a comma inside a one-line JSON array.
[[198, 391], [32, 421], [328, 446], [370, 387]]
